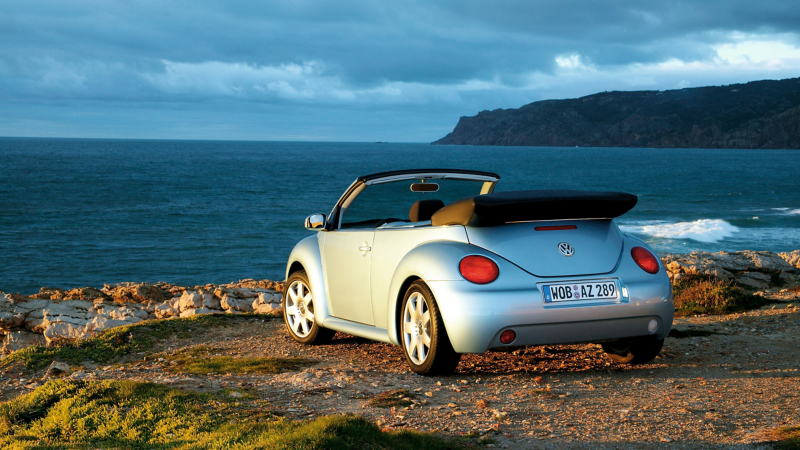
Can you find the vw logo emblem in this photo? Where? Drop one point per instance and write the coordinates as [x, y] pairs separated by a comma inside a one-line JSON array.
[[566, 249]]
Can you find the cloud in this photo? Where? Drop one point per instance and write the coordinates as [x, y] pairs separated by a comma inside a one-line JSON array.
[[445, 58]]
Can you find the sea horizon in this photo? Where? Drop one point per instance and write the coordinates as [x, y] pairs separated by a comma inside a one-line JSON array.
[[89, 211]]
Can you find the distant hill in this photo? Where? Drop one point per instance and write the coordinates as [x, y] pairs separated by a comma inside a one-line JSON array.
[[759, 114]]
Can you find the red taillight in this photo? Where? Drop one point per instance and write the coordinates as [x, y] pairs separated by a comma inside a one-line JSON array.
[[478, 269], [646, 260]]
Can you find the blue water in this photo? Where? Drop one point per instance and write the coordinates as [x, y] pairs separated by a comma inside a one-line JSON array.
[[77, 212]]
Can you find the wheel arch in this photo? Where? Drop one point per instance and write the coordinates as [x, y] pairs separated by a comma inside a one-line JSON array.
[[401, 293], [306, 256], [431, 261]]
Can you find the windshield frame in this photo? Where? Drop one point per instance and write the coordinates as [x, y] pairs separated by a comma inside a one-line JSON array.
[[335, 218]]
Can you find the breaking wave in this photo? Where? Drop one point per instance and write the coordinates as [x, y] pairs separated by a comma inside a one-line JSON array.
[[703, 230], [787, 211]]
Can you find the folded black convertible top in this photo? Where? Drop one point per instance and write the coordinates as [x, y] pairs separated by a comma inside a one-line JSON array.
[[519, 206]]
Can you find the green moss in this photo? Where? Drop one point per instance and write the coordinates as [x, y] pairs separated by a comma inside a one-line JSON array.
[[699, 295], [122, 341], [389, 399], [115, 414], [197, 360]]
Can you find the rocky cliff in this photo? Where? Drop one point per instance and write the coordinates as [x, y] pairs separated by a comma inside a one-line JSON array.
[[759, 114]]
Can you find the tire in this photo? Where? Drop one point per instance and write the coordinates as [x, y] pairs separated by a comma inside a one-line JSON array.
[[633, 351], [421, 321], [299, 313]]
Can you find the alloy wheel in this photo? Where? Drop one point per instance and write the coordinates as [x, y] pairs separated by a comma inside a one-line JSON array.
[[417, 328], [300, 309]]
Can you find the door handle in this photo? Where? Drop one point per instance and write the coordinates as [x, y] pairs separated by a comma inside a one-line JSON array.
[[365, 248]]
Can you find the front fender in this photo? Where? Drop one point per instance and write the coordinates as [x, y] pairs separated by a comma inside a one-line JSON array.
[[431, 261], [307, 254]]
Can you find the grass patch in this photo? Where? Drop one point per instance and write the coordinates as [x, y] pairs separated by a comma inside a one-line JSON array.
[[788, 438], [197, 360], [681, 334], [699, 295], [118, 342], [117, 414], [401, 397]]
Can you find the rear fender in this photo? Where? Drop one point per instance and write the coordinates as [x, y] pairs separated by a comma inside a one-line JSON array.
[[436, 261], [307, 254]]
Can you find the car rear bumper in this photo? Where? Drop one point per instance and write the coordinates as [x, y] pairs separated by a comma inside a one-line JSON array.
[[475, 316]]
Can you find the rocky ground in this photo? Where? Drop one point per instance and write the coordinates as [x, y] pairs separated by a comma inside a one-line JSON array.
[[727, 386]]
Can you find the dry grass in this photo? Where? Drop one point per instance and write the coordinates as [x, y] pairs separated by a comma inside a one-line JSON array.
[[706, 296]]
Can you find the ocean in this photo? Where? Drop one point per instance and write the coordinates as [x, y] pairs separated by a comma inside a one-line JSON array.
[[83, 212]]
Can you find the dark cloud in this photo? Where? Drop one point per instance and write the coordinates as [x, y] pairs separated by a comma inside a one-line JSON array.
[[444, 57]]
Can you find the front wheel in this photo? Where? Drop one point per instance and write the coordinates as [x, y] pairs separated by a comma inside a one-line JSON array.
[[633, 351], [425, 343], [298, 312]]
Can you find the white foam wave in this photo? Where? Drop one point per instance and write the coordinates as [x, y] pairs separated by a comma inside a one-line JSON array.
[[703, 230], [787, 211]]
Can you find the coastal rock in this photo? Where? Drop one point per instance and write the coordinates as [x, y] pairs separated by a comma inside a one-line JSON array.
[[121, 312], [235, 304], [259, 284], [198, 311], [244, 293], [101, 323], [60, 332], [135, 293], [165, 311], [84, 293], [793, 258], [755, 280], [265, 303], [190, 300], [17, 340], [68, 311], [50, 293], [56, 315], [724, 265], [210, 300], [11, 315], [57, 369]]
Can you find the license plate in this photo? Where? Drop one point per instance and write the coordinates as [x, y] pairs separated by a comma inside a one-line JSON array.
[[596, 290]]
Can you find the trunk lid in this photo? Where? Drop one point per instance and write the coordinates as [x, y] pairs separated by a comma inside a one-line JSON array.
[[597, 245]]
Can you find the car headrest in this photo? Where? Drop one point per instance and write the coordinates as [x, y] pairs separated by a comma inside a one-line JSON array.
[[423, 209]]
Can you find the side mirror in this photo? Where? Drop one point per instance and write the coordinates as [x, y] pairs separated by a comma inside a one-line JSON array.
[[315, 222]]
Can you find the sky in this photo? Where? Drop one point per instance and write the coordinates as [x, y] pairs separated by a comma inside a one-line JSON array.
[[371, 70]]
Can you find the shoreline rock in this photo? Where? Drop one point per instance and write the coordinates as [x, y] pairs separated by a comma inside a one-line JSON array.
[[752, 269], [54, 315]]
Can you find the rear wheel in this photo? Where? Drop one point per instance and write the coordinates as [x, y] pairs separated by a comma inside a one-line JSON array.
[[298, 312], [633, 351], [424, 339]]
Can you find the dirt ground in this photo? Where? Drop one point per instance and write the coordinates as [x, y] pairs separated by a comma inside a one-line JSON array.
[[727, 389]]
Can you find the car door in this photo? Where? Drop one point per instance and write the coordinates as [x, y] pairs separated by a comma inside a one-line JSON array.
[[347, 257]]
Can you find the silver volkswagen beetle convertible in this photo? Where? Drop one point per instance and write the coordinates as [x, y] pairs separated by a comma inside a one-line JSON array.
[[434, 261]]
